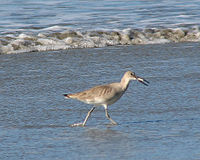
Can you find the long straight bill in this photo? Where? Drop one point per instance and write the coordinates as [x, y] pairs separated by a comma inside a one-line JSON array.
[[143, 81]]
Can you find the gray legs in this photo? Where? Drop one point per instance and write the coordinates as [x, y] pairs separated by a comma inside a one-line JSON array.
[[108, 116], [88, 115], [86, 118]]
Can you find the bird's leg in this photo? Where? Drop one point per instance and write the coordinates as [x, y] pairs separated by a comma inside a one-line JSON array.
[[108, 116], [86, 118]]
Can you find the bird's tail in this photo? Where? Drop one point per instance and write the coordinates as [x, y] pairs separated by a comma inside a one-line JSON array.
[[66, 95]]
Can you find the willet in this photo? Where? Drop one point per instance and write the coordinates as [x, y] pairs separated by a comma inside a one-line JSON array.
[[105, 95]]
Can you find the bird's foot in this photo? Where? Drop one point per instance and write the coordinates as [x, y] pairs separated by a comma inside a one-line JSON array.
[[114, 123], [77, 125]]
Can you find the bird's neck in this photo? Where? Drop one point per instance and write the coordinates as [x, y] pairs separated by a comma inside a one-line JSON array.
[[124, 83]]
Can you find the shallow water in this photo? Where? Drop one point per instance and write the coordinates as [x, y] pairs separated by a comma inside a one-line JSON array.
[[160, 121]]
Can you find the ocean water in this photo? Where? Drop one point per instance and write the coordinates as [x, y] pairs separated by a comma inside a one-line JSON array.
[[66, 46], [41, 25], [159, 121]]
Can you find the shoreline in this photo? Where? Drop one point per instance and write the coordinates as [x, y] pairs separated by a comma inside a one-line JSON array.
[[71, 39]]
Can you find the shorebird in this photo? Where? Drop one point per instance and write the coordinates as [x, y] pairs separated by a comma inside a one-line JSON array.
[[105, 95]]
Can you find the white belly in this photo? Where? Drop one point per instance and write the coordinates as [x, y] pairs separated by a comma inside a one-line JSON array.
[[104, 100]]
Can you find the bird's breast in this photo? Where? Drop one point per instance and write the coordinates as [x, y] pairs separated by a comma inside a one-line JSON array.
[[115, 98]]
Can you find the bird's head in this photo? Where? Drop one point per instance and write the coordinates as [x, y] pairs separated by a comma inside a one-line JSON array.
[[132, 76]]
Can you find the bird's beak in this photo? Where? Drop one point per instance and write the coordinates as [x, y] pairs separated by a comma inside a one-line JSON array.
[[142, 80]]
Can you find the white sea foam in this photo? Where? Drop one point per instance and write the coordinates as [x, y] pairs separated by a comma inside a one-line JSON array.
[[89, 39]]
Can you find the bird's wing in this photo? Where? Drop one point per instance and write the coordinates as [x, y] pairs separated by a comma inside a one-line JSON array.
[[103, 91]]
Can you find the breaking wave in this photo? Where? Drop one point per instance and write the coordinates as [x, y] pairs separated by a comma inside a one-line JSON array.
[[66, 39]]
